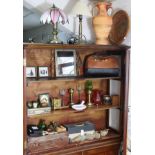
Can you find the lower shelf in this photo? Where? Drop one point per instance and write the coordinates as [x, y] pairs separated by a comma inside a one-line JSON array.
[[69, 148]]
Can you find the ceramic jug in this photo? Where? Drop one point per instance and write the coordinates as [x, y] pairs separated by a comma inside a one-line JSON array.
[[102, 24]]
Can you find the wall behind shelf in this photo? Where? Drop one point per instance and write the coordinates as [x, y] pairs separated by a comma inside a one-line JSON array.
[[42, 32]]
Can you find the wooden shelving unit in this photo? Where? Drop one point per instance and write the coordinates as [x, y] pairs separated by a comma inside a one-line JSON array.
[[112, 116]]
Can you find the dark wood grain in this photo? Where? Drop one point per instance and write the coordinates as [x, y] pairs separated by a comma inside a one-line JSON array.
[[107, 145], [127, 70]]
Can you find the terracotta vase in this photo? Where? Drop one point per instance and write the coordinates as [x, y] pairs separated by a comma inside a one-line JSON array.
[[102, 24]]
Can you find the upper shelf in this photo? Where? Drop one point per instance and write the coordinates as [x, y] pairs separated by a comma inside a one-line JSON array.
[[34, 80], [75, 46]]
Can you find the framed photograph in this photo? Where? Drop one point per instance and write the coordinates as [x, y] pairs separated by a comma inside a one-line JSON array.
[[65, 62], [44, 100], [31, 72], [43, 71]]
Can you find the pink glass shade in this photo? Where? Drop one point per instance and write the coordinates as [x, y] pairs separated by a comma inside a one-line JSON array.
[[54, 15]]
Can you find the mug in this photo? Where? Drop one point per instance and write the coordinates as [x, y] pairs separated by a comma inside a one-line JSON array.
[[35, 104]]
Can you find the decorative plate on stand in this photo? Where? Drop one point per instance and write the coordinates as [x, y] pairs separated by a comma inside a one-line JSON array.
[[120, 27]]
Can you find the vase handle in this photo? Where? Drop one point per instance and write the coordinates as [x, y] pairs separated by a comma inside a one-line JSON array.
[[109, 5]]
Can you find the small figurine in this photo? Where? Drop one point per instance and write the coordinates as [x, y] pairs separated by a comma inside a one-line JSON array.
[[97, 135], [50, 127], [104, 132]]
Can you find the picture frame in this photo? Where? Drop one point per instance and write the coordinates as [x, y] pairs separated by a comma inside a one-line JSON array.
[[44, 100], [43, 71], [31, 72], [65, 62]]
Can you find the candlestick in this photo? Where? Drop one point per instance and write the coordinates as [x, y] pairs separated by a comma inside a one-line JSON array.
[[71, 91]]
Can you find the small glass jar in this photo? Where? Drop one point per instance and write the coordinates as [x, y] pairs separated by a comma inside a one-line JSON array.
[[107, 99]]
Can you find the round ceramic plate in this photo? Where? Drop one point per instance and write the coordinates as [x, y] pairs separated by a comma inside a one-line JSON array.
[[79, 107], [120, 27]]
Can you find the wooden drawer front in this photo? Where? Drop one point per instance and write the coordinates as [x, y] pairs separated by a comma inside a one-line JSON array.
[[80, 153], [102, 151], [67, 153]]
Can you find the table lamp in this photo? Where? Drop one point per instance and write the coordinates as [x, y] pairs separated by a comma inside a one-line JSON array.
[[54, 16], [80, 9]]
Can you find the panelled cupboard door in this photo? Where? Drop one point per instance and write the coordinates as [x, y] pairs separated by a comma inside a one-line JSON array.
[[101, 152]]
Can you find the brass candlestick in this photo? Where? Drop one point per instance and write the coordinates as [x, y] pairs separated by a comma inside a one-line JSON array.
[[89, 98], [89, 88], [71, 91]]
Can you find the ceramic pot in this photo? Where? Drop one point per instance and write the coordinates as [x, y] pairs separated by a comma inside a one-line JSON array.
[[102, 24], [107, 99]]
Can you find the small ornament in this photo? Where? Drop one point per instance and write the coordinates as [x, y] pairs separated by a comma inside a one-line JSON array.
[[42, 126], [71, 91]]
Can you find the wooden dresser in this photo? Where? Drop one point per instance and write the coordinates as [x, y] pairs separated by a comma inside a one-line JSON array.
[[113, 117]]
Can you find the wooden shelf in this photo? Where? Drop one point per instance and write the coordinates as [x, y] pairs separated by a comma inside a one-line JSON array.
[[111, 138], [70, 79], [71, 111], [75, 46]]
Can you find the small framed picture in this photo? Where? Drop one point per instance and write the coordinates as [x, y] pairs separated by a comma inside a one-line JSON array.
[[44, 100], [43, 71], [31, 72]]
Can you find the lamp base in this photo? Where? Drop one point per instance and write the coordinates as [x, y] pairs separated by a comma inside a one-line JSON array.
[[55, 39], [79, 41]]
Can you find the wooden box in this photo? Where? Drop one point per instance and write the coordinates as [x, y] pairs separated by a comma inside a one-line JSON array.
[[51, 141], [37, 111]]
